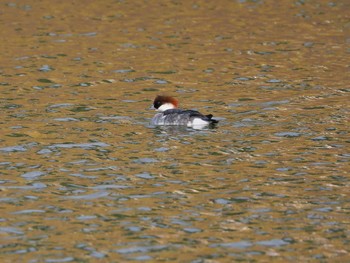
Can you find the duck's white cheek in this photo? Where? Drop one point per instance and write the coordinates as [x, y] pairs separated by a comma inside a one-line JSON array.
[[166, 106]]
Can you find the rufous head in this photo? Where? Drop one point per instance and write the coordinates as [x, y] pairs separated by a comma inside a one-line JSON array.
[[163, 103]]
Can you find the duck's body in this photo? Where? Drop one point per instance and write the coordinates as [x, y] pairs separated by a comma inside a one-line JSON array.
[[171, 115]]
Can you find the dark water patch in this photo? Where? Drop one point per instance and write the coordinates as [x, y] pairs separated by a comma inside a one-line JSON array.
[[114, 119], [288, 134], [141, 249], [244, 78], [98, 169], [110, 186], [326, 164], [247, 149], [150, 89], [137, 79], [45, 80], [245, 99], [234, 245], [264, 52], [163, 72], [11, 106], [87, 146], [145, 160], [123, 71], [54, 86], [81, 108], [109, 81], [248, 122], [269, 87], [241, 199], [17, 135], [321, 138], [275, 103], [246, 112], [314, 108]]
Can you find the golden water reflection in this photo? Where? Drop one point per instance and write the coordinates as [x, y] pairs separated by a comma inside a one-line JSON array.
[[84, 177]]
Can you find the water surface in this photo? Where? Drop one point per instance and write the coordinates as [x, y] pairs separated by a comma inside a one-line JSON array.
[[84, 177]]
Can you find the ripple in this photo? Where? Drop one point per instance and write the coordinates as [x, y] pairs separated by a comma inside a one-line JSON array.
[[92, 196], [192, 230], [69, 119], [273, 243], [28, 187], [110, 186], [236, 245], [32, 175], [145, 160], [11, 230], [29, 211], [59, 260], [288, 134], [141, 249], [17, 148], [91, 145], [144, 176]]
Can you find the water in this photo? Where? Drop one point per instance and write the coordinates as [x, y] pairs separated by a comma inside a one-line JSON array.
[[85, 177]]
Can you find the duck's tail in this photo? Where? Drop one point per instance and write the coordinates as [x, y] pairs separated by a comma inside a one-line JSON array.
[[212, 121]]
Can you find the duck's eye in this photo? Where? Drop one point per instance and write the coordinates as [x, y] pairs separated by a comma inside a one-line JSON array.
[[157, 104]]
